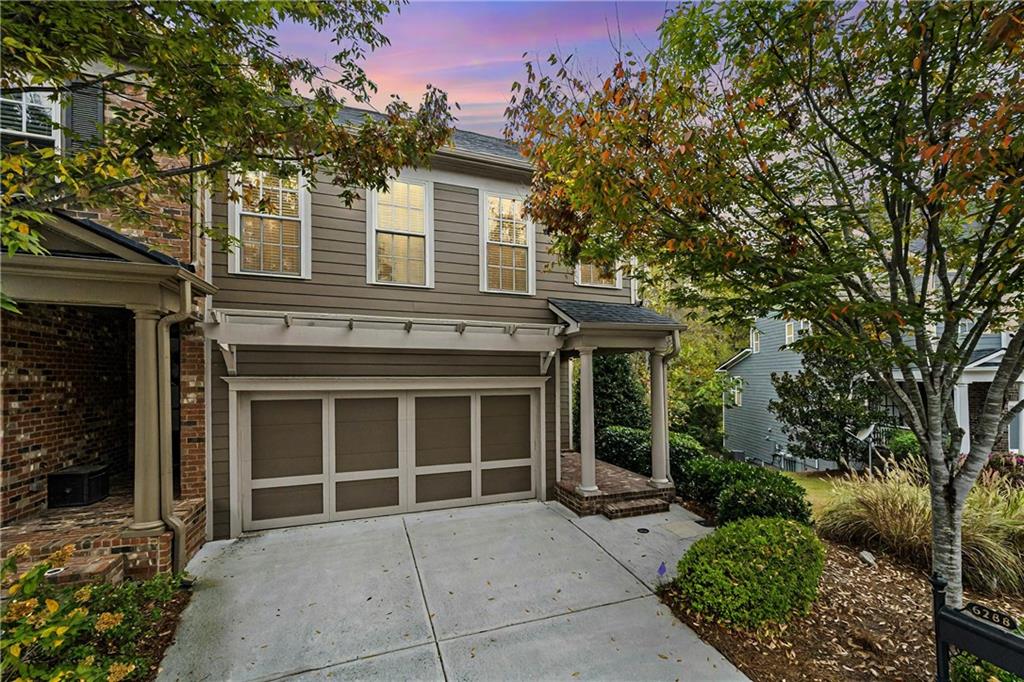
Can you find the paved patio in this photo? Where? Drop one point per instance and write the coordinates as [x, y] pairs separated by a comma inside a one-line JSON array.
[[510, 591]]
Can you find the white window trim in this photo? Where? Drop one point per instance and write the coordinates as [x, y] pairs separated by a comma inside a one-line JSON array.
[[55, 119], [428, 227], [790, 332], [577, 278], [737, 394], [531, 246], [305, 232], [755, 340]]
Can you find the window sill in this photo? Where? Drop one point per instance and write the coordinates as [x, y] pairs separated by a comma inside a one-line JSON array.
[[498, 292], [274, 275], [609, 287], [400, 285]]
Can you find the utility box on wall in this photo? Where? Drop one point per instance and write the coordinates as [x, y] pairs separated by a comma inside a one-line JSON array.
[[78, 486]]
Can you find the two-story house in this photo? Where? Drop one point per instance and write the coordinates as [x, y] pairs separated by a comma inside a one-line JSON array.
[[408, 352], [751, 428]]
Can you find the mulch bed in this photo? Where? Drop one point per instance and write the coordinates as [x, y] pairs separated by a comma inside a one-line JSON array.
[[868, 623], [153, 645]]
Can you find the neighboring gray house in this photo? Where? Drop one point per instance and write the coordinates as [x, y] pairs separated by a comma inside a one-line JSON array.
[[751, 428]]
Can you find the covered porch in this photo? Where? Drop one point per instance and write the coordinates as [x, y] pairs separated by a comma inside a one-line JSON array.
[[585, 484], [89, 383]]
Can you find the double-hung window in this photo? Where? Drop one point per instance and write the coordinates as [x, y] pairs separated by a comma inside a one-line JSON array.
[[755, 340], [790, 332], [400, 235], [591, 274], [29, 115], [271, 220], [506, 260], [737, 394]]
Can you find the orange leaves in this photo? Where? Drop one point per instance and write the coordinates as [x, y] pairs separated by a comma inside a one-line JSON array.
[[928, 152], [642, 77]]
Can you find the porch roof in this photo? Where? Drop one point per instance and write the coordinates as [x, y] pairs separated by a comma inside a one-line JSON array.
[[598, 315]]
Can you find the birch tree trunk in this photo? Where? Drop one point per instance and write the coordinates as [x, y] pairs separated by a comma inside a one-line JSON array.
[[947, 558]]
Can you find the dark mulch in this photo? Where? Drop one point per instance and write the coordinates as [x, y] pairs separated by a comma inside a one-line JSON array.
[[868, 623], [153, 645]]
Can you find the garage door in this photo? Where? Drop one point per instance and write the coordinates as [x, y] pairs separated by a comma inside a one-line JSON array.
[[315, 457]]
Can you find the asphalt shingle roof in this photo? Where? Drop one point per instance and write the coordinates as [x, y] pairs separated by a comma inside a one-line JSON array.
[[594, 312], [462, 140], [122, 240]]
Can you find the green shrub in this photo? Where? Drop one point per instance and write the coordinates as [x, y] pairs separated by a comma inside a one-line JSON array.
[[631, 449], [84, 633], [967, 668], [766, 495], [903, 445], [892, 511], [752, 573], [702, 479]]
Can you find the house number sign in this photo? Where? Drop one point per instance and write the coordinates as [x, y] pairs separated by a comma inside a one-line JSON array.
[[991, 615]]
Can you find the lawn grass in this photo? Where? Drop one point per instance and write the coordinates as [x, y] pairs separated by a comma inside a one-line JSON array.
[[818, 487]]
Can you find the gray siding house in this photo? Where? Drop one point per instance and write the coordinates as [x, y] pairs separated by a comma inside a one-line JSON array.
[[408, 352], [751, 428]]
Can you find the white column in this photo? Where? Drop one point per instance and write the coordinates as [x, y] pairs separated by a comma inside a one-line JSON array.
[[659, 422], [588, 466], [961, 404], [146, 494]]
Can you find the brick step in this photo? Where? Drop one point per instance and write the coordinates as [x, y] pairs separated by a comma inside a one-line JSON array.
[[91, 569], [627, 508], [650, 494]]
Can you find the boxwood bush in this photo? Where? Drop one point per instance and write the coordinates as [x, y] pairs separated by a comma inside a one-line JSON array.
[[903, 445], [768, 494], [752, 573], [631, 449], [703, 479]]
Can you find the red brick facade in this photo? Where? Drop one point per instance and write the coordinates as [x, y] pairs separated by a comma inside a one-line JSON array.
[[67, 397]]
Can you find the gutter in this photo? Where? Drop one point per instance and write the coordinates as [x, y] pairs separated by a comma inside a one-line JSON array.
[[163, 340]]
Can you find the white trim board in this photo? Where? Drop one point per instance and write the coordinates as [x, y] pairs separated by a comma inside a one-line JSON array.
[[294, 383]]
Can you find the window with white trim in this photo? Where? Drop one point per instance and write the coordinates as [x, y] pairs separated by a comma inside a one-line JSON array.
[[507, 254], [755, 340], [400, 227], [737, 393], [271, 220], [29, 114], [790, 332], [591, 274]]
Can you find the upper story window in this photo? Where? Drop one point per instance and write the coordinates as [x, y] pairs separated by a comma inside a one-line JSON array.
[[790, 332], [755, 340], [737, 394], [506, 259], [272, 223], [29, 115], [590, 274], [400, 235]]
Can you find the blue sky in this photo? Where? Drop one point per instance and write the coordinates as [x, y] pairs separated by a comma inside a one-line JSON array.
[[473, 50]]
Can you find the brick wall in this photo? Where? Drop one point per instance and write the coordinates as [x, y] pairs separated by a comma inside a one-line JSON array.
[[67, 397]]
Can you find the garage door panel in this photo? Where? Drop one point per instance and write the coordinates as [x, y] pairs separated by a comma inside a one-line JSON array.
[[454, 485], [365, 434], [505, 427], [371, 493], [287, 501], [506, 480], [443, 431], [287, 438]]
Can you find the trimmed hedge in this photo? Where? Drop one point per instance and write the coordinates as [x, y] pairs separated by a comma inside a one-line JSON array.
[[752, 573], [631, 449], [903, 445], [763, 496], [735, 490]]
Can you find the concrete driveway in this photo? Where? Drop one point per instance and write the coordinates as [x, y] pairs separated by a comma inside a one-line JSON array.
[[500, 592]]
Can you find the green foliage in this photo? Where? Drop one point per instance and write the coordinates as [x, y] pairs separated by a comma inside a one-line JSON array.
[[195, 90], [619, 395], [892, 512], [964, 667], [83, 633], [753, 573], [903, 445], [822, 403], [631, 449], [763, 496], [704, 478]]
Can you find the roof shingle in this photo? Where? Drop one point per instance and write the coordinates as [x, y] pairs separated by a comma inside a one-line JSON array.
[[595, 312]]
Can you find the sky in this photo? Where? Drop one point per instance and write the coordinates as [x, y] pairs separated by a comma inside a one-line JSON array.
[[474, 50]]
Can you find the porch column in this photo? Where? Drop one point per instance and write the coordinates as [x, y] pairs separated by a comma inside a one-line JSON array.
[[147, 424], [588, 466], [961, 405], [659, 425]]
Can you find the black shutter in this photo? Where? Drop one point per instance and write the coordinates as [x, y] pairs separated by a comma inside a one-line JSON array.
[[83, 117]]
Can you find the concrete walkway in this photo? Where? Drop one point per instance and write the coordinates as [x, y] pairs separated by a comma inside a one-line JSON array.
[[515, 591]]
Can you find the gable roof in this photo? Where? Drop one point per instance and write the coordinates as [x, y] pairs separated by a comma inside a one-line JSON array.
[[733, 361], [107, 237], [597, 314], [464, 143]]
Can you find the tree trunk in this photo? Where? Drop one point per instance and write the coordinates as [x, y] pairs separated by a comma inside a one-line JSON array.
[[947, 557]]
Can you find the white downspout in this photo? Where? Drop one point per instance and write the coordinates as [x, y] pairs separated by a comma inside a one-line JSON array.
[[176, 525]]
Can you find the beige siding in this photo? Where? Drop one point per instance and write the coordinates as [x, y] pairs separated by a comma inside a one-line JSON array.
[[338, 282], [265, 361]]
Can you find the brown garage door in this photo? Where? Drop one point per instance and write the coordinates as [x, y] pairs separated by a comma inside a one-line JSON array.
[[331, 456]]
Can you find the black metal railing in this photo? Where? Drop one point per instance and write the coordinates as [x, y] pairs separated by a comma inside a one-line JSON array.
[[993, 642]]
